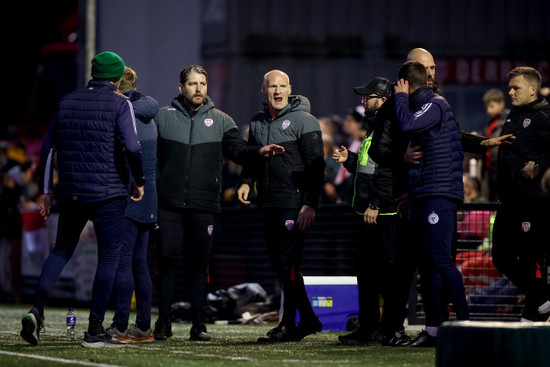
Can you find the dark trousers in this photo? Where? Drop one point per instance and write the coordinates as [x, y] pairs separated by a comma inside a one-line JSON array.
[[385, 267], [133, 273], [285, 244], [184, 235], [520, 243], [432, 228], [107, 217]]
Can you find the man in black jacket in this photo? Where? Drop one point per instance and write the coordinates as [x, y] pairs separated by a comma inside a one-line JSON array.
[[373, 256], [193, 137], [289, 186], [520, 233]]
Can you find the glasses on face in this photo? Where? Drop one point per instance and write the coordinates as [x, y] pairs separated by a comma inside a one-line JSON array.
[[366, 98]]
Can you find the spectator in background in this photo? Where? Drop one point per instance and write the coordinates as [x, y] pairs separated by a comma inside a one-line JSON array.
[[133, 271], [353, 129], [472, 190], [84, 194], [473, 224], [495, 107]]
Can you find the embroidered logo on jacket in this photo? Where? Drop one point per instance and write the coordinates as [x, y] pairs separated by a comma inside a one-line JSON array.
[[433, 218], [208, 122], [289, 224], [286, 124], [526, 226], [526, 122], [210, 229]]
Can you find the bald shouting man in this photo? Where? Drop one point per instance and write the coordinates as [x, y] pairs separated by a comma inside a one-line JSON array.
[[288, 187]]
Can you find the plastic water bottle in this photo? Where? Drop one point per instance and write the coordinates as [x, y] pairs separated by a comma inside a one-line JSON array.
[[71, 325]]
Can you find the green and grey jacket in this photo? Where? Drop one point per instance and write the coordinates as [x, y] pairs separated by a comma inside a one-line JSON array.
[[190, 152], [294, 178]]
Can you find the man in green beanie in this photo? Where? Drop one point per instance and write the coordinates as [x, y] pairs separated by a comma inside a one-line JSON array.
[[93, 135], [107, 66]]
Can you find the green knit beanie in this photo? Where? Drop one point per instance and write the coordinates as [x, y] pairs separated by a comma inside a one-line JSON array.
[[107, 66]]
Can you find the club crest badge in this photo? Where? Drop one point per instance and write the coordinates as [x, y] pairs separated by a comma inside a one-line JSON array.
[[433, 218], [210, 229], [286, 124], [289, 224], [208, 122], [526, 226], [526, 122]]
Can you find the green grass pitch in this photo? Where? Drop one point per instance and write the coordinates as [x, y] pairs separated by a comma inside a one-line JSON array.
[[231, 345]]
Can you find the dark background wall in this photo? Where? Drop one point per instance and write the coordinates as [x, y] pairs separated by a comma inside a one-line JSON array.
[[326, 46]]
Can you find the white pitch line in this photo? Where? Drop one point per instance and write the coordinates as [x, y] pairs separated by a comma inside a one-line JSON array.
[[59, 360]]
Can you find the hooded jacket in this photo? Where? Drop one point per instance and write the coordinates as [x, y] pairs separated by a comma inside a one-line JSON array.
[[295, 177], [145, 108], [530, 124], [94, 136], [190, 151]]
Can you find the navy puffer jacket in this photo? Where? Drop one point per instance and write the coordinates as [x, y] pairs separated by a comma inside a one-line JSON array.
[[433, 127], [145, 108], [94, 136]]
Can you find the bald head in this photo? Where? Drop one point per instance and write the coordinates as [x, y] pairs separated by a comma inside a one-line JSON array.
[[276, 88], [425, 58], [273, 74]]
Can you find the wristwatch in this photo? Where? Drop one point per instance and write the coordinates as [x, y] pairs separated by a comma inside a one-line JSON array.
[[536, 167], [373, 206]]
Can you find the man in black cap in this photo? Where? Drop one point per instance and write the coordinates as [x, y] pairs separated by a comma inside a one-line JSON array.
[[94, 138], [373, 96]]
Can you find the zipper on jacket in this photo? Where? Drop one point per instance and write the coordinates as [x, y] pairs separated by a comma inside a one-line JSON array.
[[188, 164], [268, 164]]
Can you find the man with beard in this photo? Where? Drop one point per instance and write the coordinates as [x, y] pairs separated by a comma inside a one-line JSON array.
[[373, 257], [193, 137]]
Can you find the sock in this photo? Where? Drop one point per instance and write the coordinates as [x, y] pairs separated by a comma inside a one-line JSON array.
[[431, 330]]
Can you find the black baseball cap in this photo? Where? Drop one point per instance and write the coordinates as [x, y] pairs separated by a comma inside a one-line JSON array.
[[379, 86]]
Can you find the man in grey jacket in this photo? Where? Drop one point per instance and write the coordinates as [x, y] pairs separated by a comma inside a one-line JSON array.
[[289, 187]]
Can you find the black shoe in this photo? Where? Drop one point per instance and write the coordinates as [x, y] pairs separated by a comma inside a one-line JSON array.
[[307, 328], [163, 329], [423, 340], [358, 337], [198, 333], [279, 334], [398, 339], [101, 340], [32, 325]]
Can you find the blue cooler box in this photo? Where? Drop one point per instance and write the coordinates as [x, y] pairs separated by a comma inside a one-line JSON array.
[[334, 300]]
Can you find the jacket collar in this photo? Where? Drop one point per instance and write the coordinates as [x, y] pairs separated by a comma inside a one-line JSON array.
[[535, 105], [96, 83], [421, 96]]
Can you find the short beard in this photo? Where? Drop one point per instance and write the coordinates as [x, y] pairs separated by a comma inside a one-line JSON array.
[[189, 104]]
